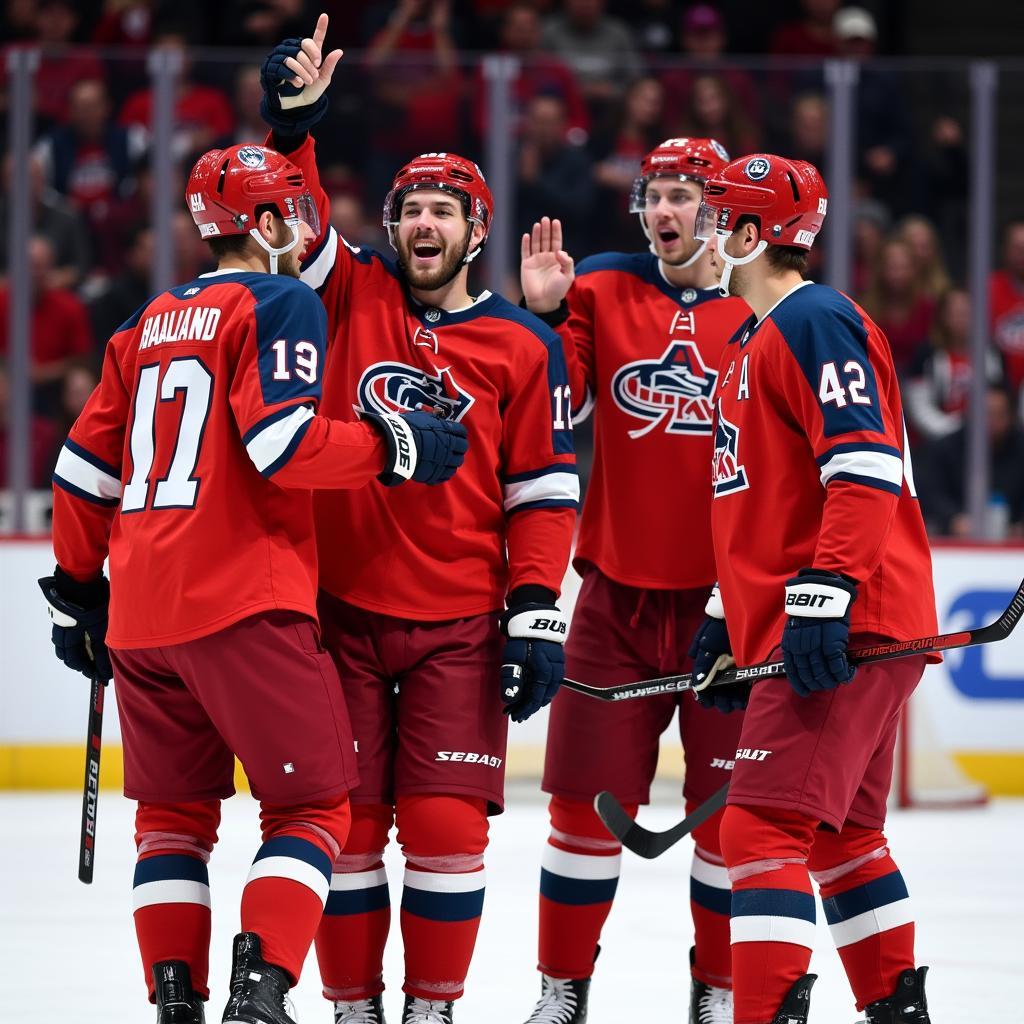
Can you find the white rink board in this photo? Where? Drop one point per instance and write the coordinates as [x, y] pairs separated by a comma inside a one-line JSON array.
[[977, 706]]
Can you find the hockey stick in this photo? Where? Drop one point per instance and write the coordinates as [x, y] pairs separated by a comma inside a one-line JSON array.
[[91, 789], [992, 633], [649, 844]]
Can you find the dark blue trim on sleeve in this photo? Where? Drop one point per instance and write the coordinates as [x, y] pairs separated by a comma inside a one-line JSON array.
[[533, 474], [289, 451], [93, 460], [66, 485], [868, 481], [858, 446], [543, 503]]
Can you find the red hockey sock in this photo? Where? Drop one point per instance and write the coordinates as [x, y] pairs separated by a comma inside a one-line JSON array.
[[354, 929], [578, 878], [867, 908], [773, 913], [710, 901], [172, 887], [443, 838]]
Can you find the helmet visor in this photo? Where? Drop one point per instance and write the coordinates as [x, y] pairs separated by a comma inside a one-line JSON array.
[[705, 224], [307, 212], [641, 200]]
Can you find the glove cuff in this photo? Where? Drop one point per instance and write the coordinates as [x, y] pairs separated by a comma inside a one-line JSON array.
[[294, 120], [715, 608], [818, 594], [87, 595], [534, 621], [401, 443]]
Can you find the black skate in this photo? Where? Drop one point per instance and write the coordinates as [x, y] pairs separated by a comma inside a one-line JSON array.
[[176, 1003], [259, 991], [708, 1004], [359, 1011], [907, 1005], [562, 1001], [797, 1004], [427, 1011]]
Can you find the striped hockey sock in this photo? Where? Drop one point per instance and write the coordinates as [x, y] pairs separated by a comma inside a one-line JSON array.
[[710, 905]]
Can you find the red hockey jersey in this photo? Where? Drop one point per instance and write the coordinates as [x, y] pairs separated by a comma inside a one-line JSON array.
[[440, 553], [646, 354], [811, 468], [193, 460]]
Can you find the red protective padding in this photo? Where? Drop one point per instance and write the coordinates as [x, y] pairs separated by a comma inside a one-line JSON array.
[[371, 824], [169, 828], [433, 826], [577, 818], [326, 823]]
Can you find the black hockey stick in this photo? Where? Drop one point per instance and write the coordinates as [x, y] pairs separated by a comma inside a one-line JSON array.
[[91, 790], [992, 633], [649, 844]]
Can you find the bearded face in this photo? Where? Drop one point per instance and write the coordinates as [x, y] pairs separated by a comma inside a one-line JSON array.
[[432, 238]]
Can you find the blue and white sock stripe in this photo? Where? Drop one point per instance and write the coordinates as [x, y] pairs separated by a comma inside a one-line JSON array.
[[870, 909], [552, 486], [170, 878], [358, 892], [271, 442], [444, 897], [773, 915], [81, 473], [296, 859], [875, 465], [578, 879], [710, 887]]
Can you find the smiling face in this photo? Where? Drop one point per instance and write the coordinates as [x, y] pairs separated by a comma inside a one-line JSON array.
[[671, 206], [432, 237]]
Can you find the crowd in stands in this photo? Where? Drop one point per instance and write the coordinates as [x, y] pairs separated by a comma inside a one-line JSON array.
[[600, 83]]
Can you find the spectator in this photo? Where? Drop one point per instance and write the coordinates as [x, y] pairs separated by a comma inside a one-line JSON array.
[[555, 177], [808, 129], [943, 466], [54, 218], [202, 114], [129, 289], [703, 46], [870, 227], [897, 303], [249, 126], [78, 384], [349, 219], [920, 234], [946, 175], [89, 159], [654, 24], [1006, 298], [540, 73], [714, 113], [598, 48], [811, 35], [59, 326], [125, 24], [18, 21], [43, 438], [939, 385]]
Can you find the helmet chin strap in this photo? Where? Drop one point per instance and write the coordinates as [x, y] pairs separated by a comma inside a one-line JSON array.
[[703, 248], [274, 253], [735, 261]]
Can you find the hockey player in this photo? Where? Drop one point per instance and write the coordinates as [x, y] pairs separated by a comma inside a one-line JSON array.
[[819, 543], [191, 468], [644, 334], [411, 615]]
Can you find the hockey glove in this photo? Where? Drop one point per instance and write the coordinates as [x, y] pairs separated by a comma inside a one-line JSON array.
[[289, 109], [421, 447], [79, 613], [711, 652], [533, 664], [817, 631]]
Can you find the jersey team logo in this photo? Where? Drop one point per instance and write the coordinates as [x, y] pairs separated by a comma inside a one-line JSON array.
[[674, 390], [727, 473], [397, 388]]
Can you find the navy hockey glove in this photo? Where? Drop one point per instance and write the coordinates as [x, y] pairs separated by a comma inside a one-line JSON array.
[[711, 652], [421, 447], [533, 664], [288, 109], [79, 613], [817, 631]]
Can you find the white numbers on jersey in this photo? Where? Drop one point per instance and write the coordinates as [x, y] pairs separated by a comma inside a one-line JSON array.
[[830, 388], [178, 489], [563, 407], [306, 359]]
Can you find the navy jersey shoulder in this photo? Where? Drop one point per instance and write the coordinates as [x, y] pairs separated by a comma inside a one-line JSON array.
[[502, 309], [639, 264]]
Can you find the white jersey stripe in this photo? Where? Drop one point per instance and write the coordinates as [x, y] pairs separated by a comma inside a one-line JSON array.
[[563, 487], [84, 475], [877, 465], [315, 272], [266, 447]]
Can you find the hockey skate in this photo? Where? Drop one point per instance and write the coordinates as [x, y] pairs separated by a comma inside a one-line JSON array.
[[427, 1011], [259, 991], [708, 1004], [359, 1011], [562, 1001], [176, 1003], [797, 1004], [907, 1005]]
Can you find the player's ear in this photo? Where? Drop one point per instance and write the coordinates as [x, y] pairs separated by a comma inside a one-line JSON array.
[[476, 236], [266, 225]]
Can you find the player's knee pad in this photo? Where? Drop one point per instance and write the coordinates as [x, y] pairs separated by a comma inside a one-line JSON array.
[[764, 836], [576, 825], [707, 835], [325, 822], [189, 828], [442, 833], [836, 854]]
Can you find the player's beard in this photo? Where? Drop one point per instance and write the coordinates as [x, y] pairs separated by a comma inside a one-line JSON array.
[[431, 280], [679, 259], [288, 263]]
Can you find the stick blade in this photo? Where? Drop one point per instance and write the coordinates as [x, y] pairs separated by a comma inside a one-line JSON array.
[[622, 826]]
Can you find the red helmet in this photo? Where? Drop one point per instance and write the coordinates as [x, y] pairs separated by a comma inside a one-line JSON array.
[[449, 173], [695, 159], [787, 196], [227, 185]]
